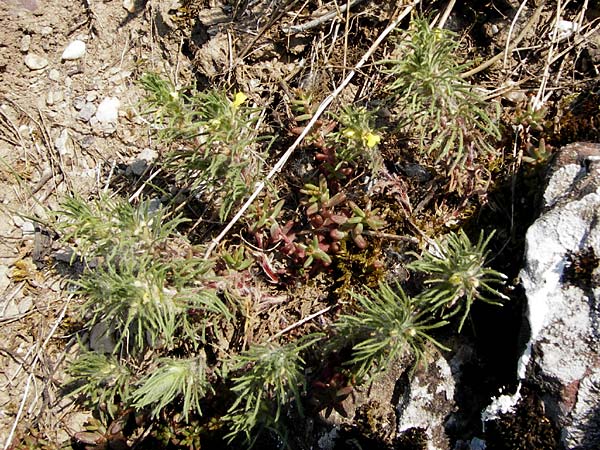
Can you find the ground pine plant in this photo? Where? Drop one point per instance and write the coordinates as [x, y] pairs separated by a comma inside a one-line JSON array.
[[266, 379], [386, 324], [144, 292], [448, 117], [457, 276], [218, 152]]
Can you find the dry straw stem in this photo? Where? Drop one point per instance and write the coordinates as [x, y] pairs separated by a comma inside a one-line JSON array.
[[320, 110], [31, 376], [530, 23], [322, 19]]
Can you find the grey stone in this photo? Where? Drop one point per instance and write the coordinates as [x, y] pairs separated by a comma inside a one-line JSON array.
[[427, 402], [137, 167], [398, 401], [101, 339], [78, 103], [561, 279], [86, 112]]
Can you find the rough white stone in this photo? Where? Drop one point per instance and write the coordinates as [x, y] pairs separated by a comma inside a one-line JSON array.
[[35, 62], [129, 5], [74, 50], [54, 75], [25, 43], [563, 314], [108, 110]]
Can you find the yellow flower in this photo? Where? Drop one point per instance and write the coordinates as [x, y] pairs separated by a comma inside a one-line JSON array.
[[349, 133], [372, 139], [239, 99]]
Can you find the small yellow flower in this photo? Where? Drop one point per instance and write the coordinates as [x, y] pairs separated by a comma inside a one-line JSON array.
[[239, 99], [349, 133], [372, 139]]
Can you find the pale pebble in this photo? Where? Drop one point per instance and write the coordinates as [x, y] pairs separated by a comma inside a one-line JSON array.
[[35, 62], [87, 112], [64, 144], [108, 110], [74, 50], [25, 43], [18, 221], [129, 5], [28, 228], [54, 75]]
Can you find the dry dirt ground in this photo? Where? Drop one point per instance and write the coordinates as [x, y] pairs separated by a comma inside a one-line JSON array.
[[53, 142]]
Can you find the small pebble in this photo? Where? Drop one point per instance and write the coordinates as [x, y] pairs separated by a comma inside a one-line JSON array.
[[108, 110], [25, 43], [35, 62], [91, 96], [74, 50], [129, 5], [18, 221], [28, 228], [137, 167], [119, 77], [63, 144], [46, 31], [87, 141], [86, 112], [54, 75], [148, 154], [78, 103]]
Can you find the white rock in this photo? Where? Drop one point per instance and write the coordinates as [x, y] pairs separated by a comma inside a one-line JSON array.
[[18, 221], [35, 62], [108, 110], [148, 154], [74, 50], [129, 5], [28, 228], [565, 28], [64, 144], [25, 43], [54, 75]]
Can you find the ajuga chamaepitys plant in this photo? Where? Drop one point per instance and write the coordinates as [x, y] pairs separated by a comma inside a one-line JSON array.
[[457, 275], [386, 324], [220, 153], [447, 115], [269, 377], [174, 378]]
